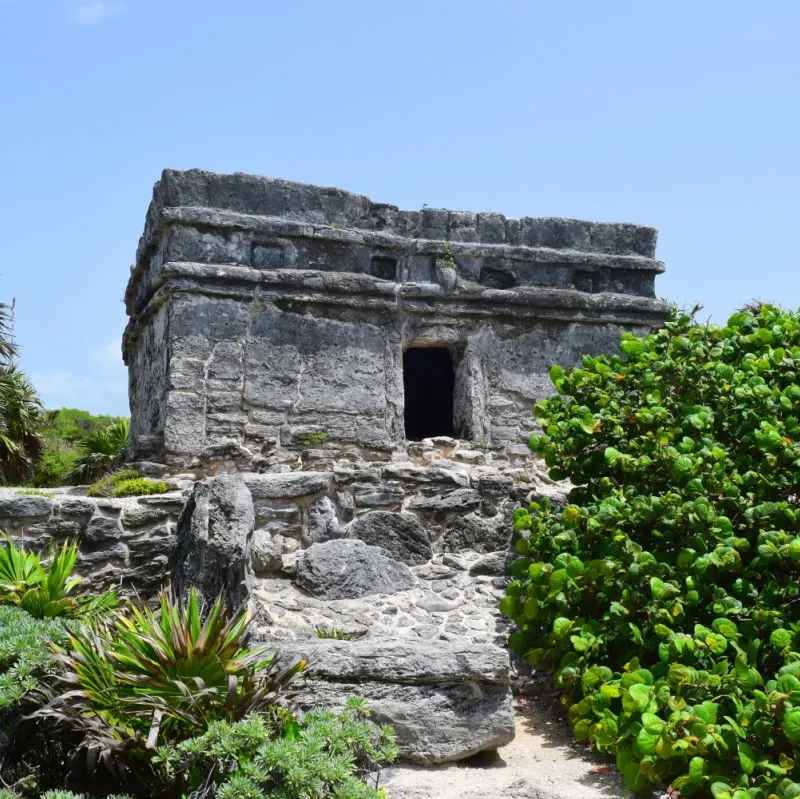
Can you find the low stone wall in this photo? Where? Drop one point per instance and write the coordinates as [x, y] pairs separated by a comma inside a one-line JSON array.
[[122, 542], [407, 556]]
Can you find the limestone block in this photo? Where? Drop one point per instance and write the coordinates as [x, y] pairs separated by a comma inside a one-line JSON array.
[[283, 520], [287, 484], [400, 534], [323, 523], [348, 569], [427, 474], [477, 533], [266, 553], [214, 537], [189, 244], [226, 361], [102, 528], [367, 496], [461, 498], [22, 506], [185, 429], [445, 701], [494, 563]]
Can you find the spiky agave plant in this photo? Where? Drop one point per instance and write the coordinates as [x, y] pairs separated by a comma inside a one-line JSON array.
[[157, 677], [45, 588]]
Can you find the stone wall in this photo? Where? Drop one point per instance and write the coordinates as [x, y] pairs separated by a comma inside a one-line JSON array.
[[125, 543], [407, 555], [264, 314]]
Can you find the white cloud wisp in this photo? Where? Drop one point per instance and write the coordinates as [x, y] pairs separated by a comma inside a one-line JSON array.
[[95, 12]]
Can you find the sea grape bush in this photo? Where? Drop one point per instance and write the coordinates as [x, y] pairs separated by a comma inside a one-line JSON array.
[[665, 596]]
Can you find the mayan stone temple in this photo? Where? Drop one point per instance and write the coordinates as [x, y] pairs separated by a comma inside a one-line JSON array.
[[265, 314], [338, 393]]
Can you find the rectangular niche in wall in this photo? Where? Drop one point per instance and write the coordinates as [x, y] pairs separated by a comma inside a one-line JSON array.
[[429, 385], [383, 267]]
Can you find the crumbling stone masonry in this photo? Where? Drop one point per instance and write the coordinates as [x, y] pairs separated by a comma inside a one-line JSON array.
[[352, 384], [266, 316]]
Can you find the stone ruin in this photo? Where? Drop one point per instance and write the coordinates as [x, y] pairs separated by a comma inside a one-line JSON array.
[[340, 392]]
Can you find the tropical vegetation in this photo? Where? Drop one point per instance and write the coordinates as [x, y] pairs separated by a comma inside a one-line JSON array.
[[45, 588], [126, 483], [62, 431], [21, 416], [105, 698], [98, 452], [665, 595]]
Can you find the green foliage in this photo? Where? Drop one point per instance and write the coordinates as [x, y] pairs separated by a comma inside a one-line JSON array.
[[45, 588], [127, 483], [666, 595], [53, 466], [327, 754], [62, 431], [447, 261], [70, 795], [8, 348], [162, 676], [338, 634], [98, 451], [21, 418], [25, 654], [313, 438], [32, 492], [139, 487]]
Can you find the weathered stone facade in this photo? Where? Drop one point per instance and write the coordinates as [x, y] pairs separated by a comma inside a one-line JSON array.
[[265, 315], [286, 343]]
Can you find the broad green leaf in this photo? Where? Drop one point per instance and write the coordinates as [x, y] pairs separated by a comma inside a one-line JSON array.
[[791, 725]]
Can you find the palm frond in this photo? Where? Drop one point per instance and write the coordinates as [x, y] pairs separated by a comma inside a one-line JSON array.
[[98, 452], [21, 420]]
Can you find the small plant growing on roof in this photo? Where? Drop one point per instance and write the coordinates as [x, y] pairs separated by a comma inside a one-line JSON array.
[[446, 261]]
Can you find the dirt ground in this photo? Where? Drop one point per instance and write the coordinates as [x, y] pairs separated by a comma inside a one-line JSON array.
[[542, 762]]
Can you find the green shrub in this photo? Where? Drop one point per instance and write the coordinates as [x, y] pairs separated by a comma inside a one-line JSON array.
[[666, 595], [53, 467], [127, 483], [162, 676], [139, 487], [25, 653], [327, 754], [45, 588], [314, 438], [98, 451], [62, 431], [70, 795]]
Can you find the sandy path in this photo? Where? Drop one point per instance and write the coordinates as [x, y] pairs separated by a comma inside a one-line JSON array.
[[542, 762]]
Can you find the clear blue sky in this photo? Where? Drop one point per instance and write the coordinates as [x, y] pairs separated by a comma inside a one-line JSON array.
[[681, 115]]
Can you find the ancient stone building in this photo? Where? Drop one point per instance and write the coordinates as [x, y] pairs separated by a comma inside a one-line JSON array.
[[267, 315], [352, 383]]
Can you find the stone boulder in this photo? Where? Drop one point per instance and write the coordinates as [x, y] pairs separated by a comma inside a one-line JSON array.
[[323, 523], [478, 533], [400, 534], [214, 537], [349, 569], [446, 701]]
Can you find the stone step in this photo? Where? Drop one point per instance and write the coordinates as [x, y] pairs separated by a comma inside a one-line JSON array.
[[445, 700]]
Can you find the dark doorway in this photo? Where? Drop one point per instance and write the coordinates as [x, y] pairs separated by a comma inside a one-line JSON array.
[[428, 379]]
